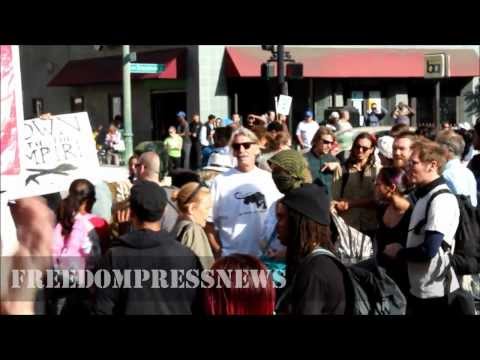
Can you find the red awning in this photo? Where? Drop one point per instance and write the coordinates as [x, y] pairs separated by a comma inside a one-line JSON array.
[[352, 62], [103, 70]]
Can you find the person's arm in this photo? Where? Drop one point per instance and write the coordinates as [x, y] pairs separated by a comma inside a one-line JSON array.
[[213, 239], [425, 251], [203, 136], [361, 203], [34, 222], [299, 137]]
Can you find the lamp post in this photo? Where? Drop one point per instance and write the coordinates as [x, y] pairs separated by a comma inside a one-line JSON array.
[[127, 102]]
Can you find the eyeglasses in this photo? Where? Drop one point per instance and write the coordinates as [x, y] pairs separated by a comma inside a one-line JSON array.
[[245, 145], [195, 192], [327, 142], [363, 148]]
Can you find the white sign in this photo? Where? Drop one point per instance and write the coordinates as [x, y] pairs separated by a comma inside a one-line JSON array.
[[57, 151], [284, 104], [11, 115]]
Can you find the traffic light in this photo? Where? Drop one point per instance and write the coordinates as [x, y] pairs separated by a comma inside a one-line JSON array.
[[268, 70], [294, 70], [268, 47]]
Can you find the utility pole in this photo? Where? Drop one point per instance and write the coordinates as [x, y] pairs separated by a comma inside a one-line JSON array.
[[127, 102], [281, 70]]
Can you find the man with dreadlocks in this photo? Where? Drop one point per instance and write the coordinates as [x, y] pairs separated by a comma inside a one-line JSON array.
[[315, 283]]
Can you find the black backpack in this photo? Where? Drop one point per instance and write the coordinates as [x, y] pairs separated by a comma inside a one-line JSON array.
[[370, 291], [466, 257]]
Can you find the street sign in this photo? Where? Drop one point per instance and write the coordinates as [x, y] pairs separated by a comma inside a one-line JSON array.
[[436, 66], [139, 68]]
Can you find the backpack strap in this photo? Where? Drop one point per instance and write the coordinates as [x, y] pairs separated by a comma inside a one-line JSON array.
[[418, 228]]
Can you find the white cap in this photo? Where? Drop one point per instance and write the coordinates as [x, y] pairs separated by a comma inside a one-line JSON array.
[[385, 146], [465, 126], [335, 115]]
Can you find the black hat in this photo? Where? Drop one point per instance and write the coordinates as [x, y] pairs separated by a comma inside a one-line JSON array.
[[148, 200], [311, 201]]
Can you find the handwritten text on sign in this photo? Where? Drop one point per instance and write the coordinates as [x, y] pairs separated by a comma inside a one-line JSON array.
[[57, 151], [52, 141]]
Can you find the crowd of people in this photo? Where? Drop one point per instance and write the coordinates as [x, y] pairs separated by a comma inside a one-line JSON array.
[[243, 197]]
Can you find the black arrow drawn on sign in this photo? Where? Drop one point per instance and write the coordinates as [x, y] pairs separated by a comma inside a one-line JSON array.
[[59, 170]]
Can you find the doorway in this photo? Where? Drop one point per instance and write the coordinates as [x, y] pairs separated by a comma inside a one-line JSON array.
[[165, 106]]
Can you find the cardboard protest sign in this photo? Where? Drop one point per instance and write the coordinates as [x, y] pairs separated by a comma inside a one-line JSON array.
[[11, 114], [284, 104], [56, 151]]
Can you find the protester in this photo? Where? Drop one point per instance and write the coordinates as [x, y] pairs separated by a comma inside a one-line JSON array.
[[430, 276], [132, 168], [276, 143], [241, 196], [324, 167], [385, 150], [149, 248], [343, 122], [353, 193], [460, 179], [194, 203], [306, 130], [474, 164], [196, 152], [174, 145], [251, 297], [148, 168], [316, 285], [183, 129], [79, 239], [374, 115], [402, 113], [394, 218], [113, 144]]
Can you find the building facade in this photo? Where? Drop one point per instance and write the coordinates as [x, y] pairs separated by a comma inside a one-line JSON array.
[[222, 79]]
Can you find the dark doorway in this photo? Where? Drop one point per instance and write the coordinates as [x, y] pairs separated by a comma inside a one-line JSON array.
[[164, 109]]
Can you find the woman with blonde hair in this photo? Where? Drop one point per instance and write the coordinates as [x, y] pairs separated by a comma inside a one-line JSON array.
[[194, 203]]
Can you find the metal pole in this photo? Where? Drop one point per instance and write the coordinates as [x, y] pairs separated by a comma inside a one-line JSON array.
[[235, 103], [127, 103], [281, 70], [437, 103]]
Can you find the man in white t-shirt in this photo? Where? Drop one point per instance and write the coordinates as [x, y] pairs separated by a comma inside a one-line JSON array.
[[306, 130], [430, 275], [241, 199]]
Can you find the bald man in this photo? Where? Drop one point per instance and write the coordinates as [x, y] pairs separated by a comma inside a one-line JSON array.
[[148, 168]]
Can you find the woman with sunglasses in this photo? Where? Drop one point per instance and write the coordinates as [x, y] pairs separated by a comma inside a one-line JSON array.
[[324, 167], [194, 203], [353, 193]]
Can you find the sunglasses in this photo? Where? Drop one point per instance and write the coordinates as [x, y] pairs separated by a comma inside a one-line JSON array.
[[245, 145], [195, 192], [327, 142], [363, 148]]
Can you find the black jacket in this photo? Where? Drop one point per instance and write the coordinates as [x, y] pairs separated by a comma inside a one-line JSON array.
[[156, 252]]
